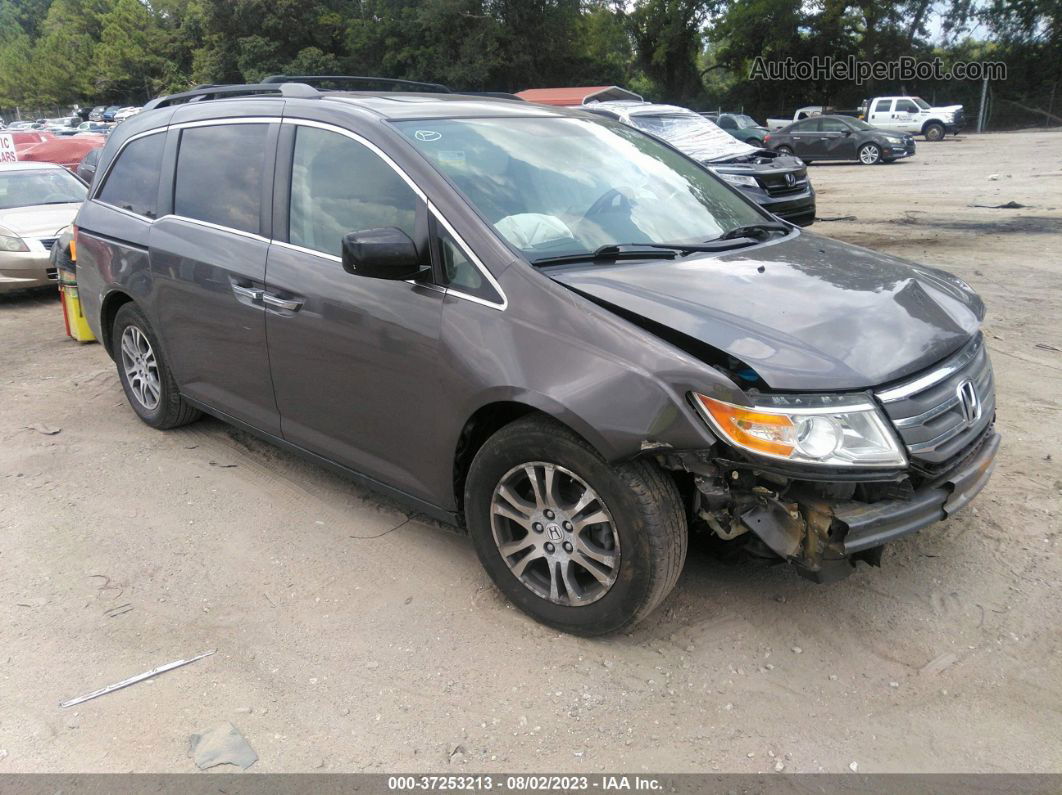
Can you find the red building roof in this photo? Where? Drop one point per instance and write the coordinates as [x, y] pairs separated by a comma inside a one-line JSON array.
[[576, 95]]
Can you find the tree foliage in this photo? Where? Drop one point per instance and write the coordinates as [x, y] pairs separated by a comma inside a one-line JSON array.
[[694, 52]]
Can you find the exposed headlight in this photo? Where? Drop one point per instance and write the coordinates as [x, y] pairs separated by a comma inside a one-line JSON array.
[[739, 179], [9, 241], [829, 430]]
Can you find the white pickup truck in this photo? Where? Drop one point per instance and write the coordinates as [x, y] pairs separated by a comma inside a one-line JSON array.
[[802, 113], [913, 115]]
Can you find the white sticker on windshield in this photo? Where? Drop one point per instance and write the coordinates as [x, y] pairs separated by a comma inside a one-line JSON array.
[[452, 159], [427, 135]]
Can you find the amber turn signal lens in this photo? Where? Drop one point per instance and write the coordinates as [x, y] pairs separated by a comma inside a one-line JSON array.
[[754, 430]]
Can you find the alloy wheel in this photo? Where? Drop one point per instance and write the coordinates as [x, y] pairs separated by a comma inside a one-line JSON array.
[[555, 534], [141, 369], [869, 154]]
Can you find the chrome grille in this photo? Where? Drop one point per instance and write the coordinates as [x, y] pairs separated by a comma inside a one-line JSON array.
[[938, 414], [777, 185]]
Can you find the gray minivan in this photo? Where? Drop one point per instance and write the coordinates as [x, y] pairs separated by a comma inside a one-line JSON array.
[[543, 326]]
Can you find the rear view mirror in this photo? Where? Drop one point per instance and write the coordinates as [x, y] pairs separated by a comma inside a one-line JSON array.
[[383, 253]]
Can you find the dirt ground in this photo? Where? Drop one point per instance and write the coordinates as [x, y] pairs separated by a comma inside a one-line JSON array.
[[353, 637]]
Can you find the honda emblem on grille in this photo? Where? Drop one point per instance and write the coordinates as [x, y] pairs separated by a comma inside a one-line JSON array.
[[969, 402], [790, 179]]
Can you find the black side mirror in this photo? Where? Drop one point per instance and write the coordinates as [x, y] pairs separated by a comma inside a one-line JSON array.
[[383, 253]]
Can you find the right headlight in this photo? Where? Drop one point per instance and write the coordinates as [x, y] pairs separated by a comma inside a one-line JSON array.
[[828, 430], [739, 179], [9, 241]]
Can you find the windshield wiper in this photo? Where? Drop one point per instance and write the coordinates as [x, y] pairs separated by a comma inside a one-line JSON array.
[[618, 251], [753, 230], [612, 252]]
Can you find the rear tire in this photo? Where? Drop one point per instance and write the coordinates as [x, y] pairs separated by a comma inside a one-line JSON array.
[[637, 545], [149, 386], [934, 132]]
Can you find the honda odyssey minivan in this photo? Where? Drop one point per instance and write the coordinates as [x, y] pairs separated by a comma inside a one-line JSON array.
[[545, 327]]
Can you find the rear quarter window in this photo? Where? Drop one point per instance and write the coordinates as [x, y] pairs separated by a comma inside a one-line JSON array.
[[133, 181], [219, 175]]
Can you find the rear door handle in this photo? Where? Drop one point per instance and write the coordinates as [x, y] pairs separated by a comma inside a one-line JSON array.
[[291, 304], [252, 293]]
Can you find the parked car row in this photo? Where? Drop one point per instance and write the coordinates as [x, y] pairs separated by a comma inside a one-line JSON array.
[[113, 113], [775, 180]]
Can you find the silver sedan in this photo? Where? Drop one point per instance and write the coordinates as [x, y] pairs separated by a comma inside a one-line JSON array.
[[36, 201]]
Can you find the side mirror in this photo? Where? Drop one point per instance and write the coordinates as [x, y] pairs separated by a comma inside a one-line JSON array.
[[847, 133], [383, 253]]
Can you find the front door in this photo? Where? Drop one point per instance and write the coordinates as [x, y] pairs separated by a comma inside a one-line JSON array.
[[208, 262], [355, 360], [906, 116], [836, 141]]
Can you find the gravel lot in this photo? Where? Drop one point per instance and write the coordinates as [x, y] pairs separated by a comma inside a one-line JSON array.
[[351, 636]]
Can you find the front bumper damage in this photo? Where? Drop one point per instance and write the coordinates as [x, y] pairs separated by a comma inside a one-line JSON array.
[[825, 536]]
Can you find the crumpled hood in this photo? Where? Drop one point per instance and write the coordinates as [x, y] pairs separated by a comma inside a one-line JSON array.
[[43, 220], [807, 313]]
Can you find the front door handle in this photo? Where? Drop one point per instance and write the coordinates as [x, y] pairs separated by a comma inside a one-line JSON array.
[[252, 293], [291, 304]]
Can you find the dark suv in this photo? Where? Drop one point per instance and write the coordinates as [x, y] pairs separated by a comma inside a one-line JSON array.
[[545, 327]]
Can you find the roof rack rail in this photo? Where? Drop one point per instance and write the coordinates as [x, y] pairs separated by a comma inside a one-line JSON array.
[[338, 80], [207, 92]]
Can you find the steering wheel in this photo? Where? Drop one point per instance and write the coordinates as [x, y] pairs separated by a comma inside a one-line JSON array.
[[607, 201]]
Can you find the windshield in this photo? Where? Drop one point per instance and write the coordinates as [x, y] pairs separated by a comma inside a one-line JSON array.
[[559, 186], [746, 121], [47, 186], [920, 103], [695, 135]]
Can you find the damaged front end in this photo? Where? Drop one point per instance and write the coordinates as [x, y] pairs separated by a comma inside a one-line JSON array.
[[822, 523]]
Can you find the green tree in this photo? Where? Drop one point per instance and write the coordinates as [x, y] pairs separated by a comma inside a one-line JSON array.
[[128, 61], [63, 57], [667, 36]]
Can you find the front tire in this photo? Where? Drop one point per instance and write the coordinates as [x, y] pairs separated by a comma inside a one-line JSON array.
[[784, 150], [869, 154], [580, 545], [934, 132], [149, 386]]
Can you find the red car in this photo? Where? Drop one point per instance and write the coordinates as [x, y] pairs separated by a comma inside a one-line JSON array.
[[67, 152], [24, 139]]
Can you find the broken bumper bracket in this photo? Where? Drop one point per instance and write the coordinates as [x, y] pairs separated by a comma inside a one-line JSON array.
[[872, 525]]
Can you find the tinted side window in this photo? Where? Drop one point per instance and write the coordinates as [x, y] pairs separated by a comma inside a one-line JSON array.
[[809, 125], [882, 105], [906, 106], [219, 174], [133, 181], [339, 186], [833, 125], [727, 123]]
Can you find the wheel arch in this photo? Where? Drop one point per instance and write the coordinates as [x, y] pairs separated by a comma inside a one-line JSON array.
[[491, 417], [112, 302]]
